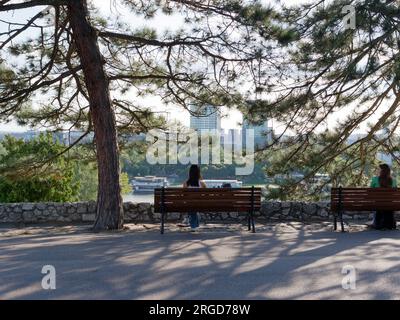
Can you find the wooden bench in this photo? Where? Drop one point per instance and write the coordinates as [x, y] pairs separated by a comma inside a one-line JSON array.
[[210, 200], [363, 199]]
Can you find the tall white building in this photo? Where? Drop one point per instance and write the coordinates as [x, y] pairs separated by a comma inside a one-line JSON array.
[[205, 118]]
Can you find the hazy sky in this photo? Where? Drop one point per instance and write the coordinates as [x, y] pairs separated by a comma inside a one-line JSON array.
[[162, 23]]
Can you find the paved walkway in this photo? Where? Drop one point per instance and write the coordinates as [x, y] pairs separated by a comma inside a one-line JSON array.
[[282, 261]]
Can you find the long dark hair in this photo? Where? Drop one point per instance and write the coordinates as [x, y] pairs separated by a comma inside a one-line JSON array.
[[385, 179], [194, 176]]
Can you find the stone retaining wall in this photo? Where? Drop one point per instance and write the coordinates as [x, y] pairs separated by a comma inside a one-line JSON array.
[[144, 212]]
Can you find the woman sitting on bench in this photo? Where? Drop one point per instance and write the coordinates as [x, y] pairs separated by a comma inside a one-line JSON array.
[[384, 219], [194, 181]]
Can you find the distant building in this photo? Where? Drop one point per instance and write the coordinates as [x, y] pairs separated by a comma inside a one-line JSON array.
[[205, 118], [63, 137], [17, 135], [70, 137], [135, 137], [231, 137], [30, 135], [262, 133]]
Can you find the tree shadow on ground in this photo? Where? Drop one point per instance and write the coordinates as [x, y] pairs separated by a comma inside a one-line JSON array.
[[271, 264]]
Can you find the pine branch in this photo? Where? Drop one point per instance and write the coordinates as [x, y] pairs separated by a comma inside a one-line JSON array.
[[30, 4]]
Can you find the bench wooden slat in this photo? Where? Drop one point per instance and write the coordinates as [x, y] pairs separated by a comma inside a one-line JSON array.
[[346, 189], [209, 201], [369, 194], [369, 201], [215, 192], [386, 199], [205, 198], [379, 193], [220, 190], [226, 201], [369, 207], [366, 190], [208, 209], [203, 194]]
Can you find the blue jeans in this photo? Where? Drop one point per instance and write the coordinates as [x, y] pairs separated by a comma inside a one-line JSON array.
[[193, 220]]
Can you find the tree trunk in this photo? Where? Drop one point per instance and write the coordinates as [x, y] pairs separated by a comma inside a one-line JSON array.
[[109, 213]]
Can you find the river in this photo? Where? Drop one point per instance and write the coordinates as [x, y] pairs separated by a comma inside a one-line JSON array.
[[139, 197]]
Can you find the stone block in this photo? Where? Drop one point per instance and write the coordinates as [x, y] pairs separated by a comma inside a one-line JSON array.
[[28, 206], [88, 217], [82, 208], [310, 209]]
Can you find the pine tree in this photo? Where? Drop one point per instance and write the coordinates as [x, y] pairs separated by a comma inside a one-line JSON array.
[[329, 71], [82, 67]]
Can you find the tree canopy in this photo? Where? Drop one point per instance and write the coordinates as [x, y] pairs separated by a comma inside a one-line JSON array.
[[23, 180], [87, 72], [218, 50], [333, 82]]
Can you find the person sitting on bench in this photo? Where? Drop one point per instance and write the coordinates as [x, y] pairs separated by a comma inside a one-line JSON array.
[[384, 219], [194, 181]]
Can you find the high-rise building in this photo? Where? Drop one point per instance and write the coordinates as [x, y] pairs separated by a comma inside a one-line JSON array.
[[205, 118], [262, 133]]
